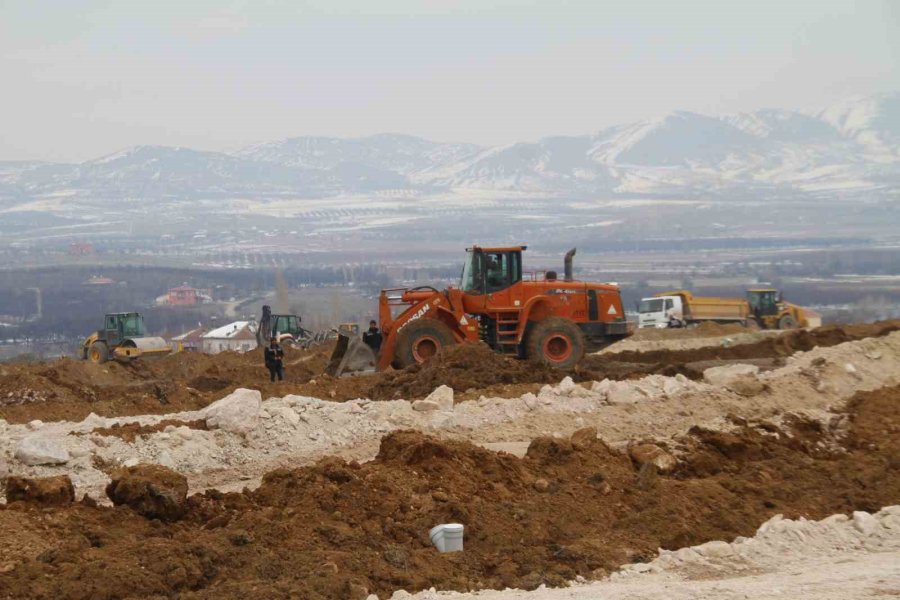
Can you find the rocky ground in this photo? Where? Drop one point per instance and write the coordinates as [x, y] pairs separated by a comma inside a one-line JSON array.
[[325, 488]]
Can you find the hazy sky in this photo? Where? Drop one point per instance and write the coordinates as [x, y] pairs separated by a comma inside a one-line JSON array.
[[82, 79]]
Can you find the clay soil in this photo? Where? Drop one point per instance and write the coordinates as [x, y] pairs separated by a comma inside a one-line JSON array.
[[130, 431], [571, 506], [69, 389]]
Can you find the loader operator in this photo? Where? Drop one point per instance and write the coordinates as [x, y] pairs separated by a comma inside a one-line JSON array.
[[372, 337], [275, 360]]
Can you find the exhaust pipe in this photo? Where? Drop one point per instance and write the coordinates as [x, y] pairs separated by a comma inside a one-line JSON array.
[[568, 264]]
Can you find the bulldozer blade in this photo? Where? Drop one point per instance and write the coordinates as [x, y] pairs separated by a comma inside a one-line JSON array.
[[351, 355]]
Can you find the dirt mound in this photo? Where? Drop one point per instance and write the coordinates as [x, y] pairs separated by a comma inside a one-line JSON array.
[[46, 491], [462, 367], [69, 389], [779, 346], [150, 490], [571, 506], [130, 431]]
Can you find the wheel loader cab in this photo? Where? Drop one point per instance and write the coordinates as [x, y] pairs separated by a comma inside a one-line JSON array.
[[489, 270], [763, 303]]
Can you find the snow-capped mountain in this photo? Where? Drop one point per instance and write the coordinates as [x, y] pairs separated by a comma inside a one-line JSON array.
[[849, 148], [403, 154]]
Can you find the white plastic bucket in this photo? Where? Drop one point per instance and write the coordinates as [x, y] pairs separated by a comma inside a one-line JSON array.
[[447, 537]]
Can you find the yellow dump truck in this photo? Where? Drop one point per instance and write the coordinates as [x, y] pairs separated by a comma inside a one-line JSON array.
[[762, 308]]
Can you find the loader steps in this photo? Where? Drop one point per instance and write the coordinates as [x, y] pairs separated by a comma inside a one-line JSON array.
[[506, 325]]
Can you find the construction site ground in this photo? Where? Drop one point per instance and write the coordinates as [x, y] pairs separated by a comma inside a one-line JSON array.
[[740, 444]]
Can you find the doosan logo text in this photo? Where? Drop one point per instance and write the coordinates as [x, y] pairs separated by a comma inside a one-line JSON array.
[[418, 315]]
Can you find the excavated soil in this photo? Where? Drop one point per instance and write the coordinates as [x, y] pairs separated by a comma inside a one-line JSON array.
[[69, 389], [571, 506], [129, 431], [464, 367]]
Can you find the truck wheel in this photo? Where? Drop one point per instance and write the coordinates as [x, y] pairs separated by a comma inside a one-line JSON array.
[[421, 340], [751, 323], [98, 353], [556, 342], [787, 322]]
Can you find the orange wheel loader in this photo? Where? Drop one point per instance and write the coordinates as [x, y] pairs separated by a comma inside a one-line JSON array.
[[540, 318]]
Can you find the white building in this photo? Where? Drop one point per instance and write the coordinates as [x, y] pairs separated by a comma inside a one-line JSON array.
[[239, 336]]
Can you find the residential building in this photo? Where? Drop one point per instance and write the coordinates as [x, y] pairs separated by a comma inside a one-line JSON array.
[[239, 336]]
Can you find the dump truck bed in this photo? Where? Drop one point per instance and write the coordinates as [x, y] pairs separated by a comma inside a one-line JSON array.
[[711, 308]]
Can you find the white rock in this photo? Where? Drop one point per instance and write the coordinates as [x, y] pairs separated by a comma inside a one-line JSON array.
[[601, 387], [92, 421], [288, 414], [686, 555], [79, 452], [851, 370], [769, 524], [34, 450], [865, 523], [132, 462], [36, 424], [639, 567], [184, 432], [238, 412], [580, 392], [714, 549], [531, 401], [625, 393], [726, 374], [671, 387], [442, 396], [566, 384], [425, 405], [835, 519], [165, 459]]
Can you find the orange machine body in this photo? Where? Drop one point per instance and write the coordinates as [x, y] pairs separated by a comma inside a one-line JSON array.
[[498, 305]]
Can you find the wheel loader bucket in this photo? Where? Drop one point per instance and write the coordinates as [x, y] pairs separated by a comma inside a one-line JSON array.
[[351, 355]]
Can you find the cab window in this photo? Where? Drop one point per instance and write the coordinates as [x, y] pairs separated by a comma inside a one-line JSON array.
[[650, 306]]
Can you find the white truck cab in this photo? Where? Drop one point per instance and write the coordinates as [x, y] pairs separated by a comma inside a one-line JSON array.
[[656, 311]]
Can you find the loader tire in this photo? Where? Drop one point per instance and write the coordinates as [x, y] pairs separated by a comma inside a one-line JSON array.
[[556, 342], [98, 353], [421, 340], [787, 322]]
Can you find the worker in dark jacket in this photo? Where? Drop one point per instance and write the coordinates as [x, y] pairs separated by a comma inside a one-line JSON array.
[[275, 360], [372, 337]]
